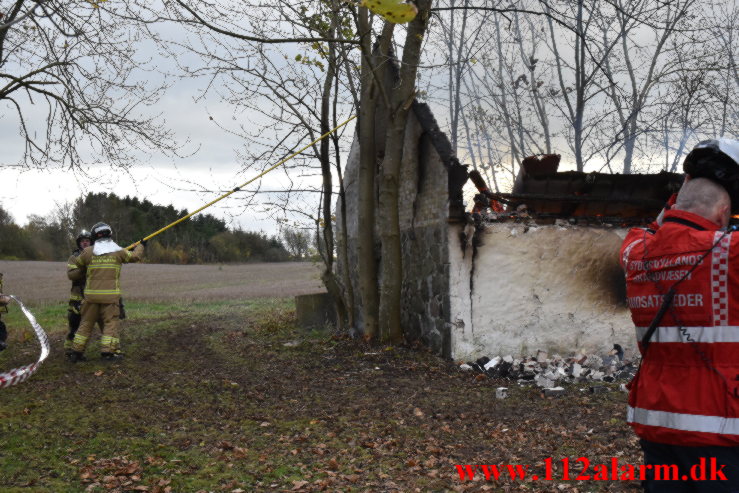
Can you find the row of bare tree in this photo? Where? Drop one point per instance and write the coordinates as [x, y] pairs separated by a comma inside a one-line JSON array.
[[623, 85]]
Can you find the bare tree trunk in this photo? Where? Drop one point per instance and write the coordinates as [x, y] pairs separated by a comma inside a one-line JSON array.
[[367, 268], [328, 276], [502, 100], [530, 61], [479, 121], [575, 109], [470, 145], [629, 144], [342, 252], [343, 255], [455, 63], [402, 99], [450, 83], [579, 87], [489, 145]]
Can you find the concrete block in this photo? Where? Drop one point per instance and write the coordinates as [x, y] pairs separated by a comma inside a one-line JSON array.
[[597, 375], [315, 311], [543, 382], [551, 375], [541, 356]]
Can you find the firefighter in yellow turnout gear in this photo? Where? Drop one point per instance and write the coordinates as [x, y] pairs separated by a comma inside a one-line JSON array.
[[77, 276], [102, 264]]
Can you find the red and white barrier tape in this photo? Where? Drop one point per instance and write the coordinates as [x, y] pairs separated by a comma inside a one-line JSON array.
[[18, 375]]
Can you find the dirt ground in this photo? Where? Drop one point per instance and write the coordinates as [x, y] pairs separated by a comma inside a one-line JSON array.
[[43, 282], [233, 397]]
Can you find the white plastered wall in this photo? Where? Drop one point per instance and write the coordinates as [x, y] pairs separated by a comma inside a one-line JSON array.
[[553, 288]]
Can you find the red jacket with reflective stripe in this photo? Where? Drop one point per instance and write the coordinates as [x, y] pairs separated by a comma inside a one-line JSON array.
[[687, 390]]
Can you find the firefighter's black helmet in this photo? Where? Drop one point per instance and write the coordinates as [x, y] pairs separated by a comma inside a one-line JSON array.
[[101, 230], [84, 234], [717, 160]]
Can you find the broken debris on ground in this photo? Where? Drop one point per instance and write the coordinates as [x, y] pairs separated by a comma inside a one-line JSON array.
[[549, 372]]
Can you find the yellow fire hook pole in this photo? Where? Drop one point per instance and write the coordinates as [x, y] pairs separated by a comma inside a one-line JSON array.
[[242, 185]]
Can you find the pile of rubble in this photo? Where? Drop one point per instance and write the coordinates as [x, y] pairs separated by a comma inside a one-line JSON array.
[[548, 372]]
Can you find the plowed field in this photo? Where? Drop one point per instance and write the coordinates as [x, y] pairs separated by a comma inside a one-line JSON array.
[[46, 282]]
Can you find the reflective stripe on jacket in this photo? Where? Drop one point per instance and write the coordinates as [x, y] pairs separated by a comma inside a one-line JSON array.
[[687, 389], [104, 273], [76, 275]]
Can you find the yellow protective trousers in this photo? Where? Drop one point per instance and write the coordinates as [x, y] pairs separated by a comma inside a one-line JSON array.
[[106, 314]]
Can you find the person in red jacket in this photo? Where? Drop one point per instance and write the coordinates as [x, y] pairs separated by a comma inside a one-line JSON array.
[[682, 285]]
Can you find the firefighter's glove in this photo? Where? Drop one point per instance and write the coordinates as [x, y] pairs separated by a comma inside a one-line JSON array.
[[144, 242]]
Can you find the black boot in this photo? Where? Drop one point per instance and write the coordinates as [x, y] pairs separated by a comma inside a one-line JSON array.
[[3, 335], [68, 347], [76, 356], [111, 356]]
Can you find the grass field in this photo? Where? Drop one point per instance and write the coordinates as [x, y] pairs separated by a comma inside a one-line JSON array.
[[228, 395]]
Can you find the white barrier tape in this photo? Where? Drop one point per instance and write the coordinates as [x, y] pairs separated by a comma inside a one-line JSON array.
[[18, 375]]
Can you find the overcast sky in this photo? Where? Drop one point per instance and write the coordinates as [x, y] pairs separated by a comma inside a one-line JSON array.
[[185, 183], [210, 167], [212, 163]]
